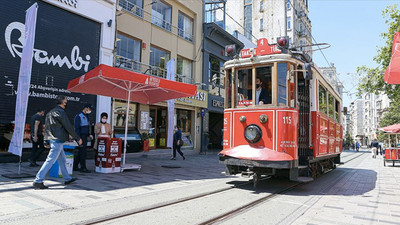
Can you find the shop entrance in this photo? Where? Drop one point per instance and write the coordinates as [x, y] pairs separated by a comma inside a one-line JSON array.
[[215, 130], [158, 127]]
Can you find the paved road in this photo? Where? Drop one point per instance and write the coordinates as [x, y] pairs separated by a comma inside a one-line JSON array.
[[361, 191]]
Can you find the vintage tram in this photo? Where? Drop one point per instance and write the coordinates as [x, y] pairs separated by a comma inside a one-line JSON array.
[[292, 125]]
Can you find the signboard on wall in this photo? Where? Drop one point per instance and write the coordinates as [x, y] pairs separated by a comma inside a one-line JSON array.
[[199, 100], [62, 52]]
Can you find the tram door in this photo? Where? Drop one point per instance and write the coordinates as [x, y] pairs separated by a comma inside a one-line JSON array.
[[304, 120]]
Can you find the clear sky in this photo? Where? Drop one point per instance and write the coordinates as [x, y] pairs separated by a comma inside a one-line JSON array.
[[353, 29]]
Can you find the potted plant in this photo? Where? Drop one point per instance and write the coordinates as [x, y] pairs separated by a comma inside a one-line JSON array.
[[145, 139]]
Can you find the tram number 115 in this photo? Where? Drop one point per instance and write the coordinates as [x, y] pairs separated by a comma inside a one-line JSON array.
[[287, 120]]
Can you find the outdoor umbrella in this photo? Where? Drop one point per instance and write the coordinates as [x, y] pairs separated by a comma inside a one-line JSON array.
[[131, 86], [392, 73], [395, 128]]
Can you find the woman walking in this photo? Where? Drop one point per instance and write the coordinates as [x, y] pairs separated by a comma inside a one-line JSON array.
[[177, 143]]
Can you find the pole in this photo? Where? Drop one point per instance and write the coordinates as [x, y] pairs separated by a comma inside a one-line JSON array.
[[19, 166], [126, 126], [285, 16]]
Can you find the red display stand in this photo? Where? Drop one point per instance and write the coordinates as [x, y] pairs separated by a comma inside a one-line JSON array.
[[108, 155]]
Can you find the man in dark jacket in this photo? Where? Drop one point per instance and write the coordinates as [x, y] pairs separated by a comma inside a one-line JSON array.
[[262, 95], [82, 128], [36, 123], [57, 131]]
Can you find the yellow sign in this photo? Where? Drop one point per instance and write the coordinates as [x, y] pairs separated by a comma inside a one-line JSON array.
[[162, 141], [200, 99], [152, 142]]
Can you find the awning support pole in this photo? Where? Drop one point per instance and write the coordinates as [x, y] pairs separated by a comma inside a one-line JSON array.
[[126, 126]]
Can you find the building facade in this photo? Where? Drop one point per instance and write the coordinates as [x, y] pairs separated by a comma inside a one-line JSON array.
[[149, 34], [72, 37], [357, 121], [257, 19]]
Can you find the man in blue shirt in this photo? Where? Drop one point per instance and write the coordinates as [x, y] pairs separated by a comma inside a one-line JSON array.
[[82, 128]]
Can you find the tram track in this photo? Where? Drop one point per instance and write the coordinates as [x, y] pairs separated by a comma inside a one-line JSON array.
[[222, 217], [237, 211]]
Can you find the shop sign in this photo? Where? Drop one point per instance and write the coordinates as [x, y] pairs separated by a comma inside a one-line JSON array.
[[60, 54], [217, 104], [198, 100]]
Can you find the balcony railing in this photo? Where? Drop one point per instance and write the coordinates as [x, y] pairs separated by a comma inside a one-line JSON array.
[[139, 67], [131, 8], [154, 19]]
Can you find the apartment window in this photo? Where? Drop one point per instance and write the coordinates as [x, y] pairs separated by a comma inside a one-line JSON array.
[[161, 15], [261, 5], [185, 27], [261, 24], [133, 6], [288, 5], [289, 23], [248, 18], [158, 61], [184, 70], [128, 52], [215, 71]]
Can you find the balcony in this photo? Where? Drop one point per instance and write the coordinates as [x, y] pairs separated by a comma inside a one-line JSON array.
[[154, 18], [139, 67], [131, 8]]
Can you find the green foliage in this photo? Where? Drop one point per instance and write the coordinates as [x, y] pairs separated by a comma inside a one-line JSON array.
[[348, 139], [371, 79]]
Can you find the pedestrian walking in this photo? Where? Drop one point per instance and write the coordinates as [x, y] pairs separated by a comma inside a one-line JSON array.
[[357, 146], [374, 147], [82, 128], [177, 143], [102, 128], [57, 130], [36, 123]]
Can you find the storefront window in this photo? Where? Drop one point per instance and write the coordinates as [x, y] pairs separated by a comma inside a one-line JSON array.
[[120, 114], [184, 122]]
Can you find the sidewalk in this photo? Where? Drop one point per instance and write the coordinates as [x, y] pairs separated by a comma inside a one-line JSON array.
[[368, 194], [20, 201]]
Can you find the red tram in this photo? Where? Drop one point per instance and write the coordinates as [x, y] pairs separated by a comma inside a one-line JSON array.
[[291, 127]]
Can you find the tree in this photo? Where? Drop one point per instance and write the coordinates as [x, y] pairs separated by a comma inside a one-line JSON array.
[[372, 78]]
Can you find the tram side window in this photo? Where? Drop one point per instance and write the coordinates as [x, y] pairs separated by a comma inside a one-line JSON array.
[[228, 89], [331, 106], [322, 100], [263, 85], [282, 93], [337, 110], [244, 86]]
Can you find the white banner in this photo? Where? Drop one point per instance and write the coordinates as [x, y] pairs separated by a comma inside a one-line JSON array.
[[24, 81], [171, 104]]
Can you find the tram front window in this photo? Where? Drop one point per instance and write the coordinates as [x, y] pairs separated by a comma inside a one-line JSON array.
[[262, 87], [244, 87]]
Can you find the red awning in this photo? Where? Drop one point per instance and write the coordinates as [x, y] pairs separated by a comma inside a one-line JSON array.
[[395, 128], [118, 83], [392, 73]]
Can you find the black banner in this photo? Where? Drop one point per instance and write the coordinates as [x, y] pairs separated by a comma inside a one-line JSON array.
[[66, 46]]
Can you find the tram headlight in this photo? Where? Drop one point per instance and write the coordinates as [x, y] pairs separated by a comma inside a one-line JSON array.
[[252, 133]]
